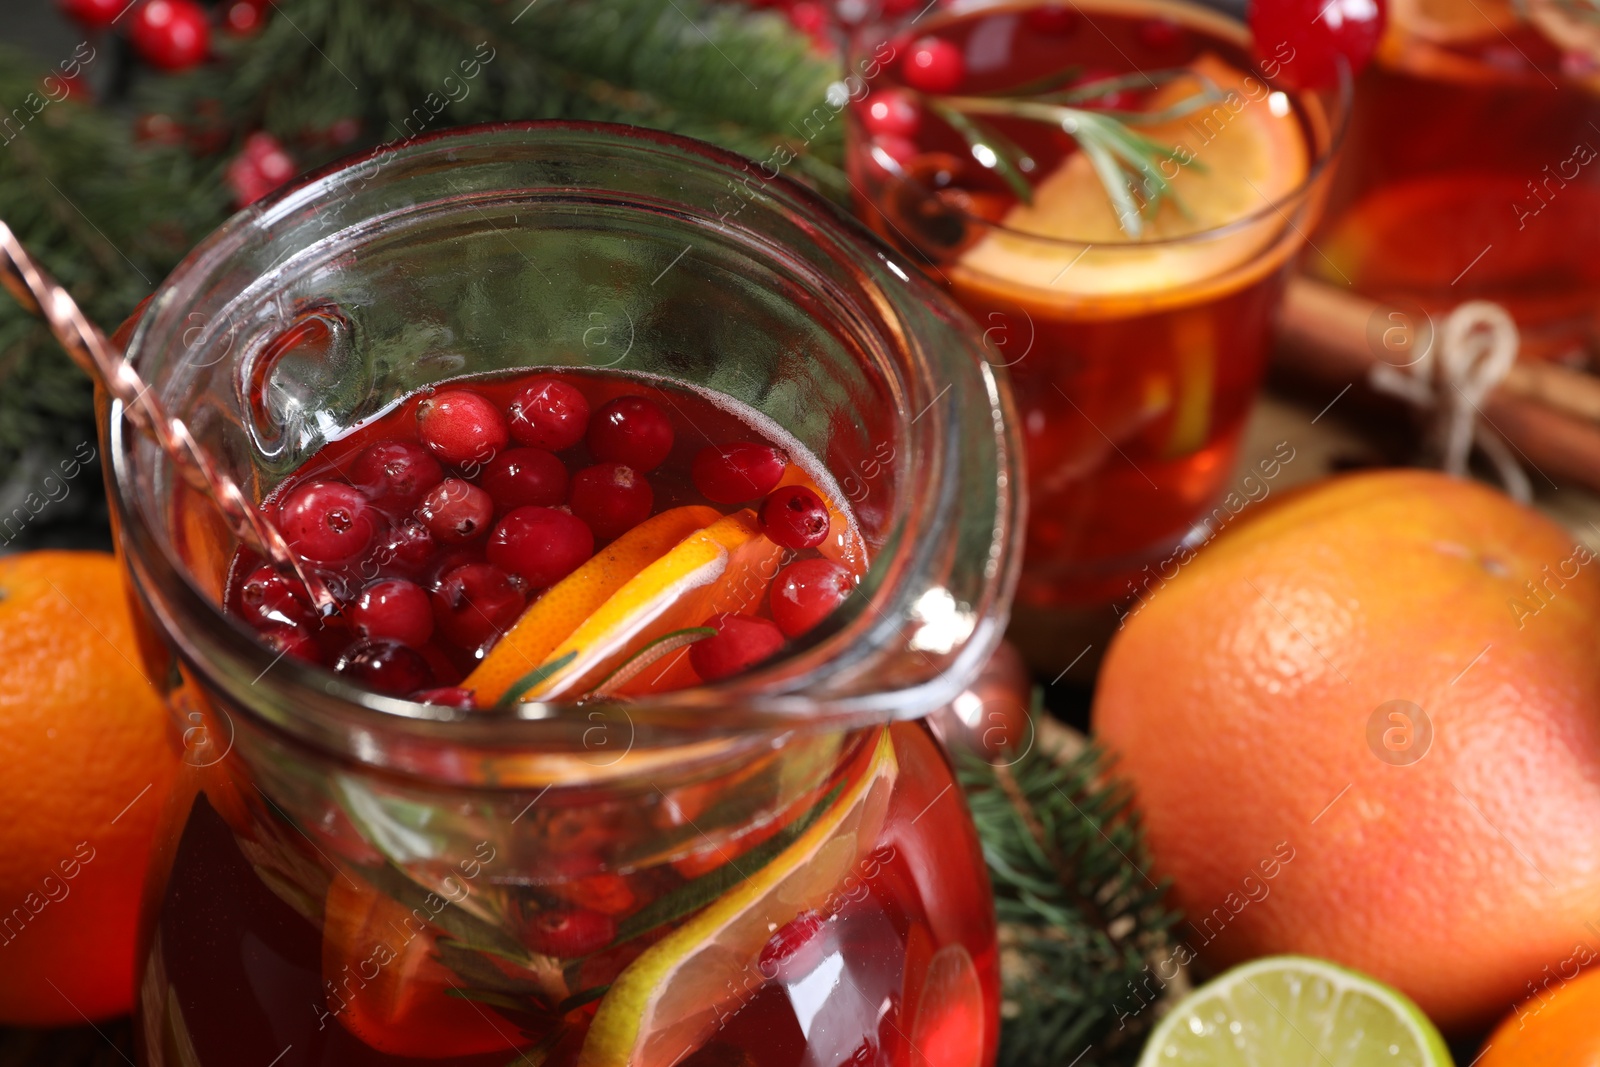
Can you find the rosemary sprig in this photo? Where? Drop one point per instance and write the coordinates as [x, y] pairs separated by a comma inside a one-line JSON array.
[[1127, 163]]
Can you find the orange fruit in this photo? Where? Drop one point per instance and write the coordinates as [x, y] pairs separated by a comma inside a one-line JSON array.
[[1557, 1025], [87, 770], [1355, 733], [724, 567], [565, 605]]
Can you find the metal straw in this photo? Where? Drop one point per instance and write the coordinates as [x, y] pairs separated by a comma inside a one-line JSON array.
[[102, 360]]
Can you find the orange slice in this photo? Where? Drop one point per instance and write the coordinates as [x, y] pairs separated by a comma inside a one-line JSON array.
[[1451, 21], [724, 567], [565, 605], [1248, 152]]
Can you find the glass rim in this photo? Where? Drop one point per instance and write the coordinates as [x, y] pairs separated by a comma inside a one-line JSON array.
[[1338, 128], [750, 704]]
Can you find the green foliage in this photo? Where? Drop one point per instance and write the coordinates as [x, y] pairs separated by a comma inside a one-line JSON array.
[[1080, 920], [110, 217]]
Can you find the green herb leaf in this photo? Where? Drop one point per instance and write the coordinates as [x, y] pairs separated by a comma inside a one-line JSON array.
[[1007, 156], [652, 653], [513, 695]]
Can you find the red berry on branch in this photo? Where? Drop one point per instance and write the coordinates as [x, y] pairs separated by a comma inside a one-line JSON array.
[[263, 150], [741, 642], [1305, 43], [170, 34], [806, 592], [934, 66], [93, 14], [244, 17]]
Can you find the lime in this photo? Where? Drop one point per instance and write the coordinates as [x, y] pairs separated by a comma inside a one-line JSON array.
[[1290, 1011], [674, 997]]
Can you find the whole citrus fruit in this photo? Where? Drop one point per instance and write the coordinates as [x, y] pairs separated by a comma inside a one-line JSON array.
[[87, 769], [1556, 1025], [1365, 725]]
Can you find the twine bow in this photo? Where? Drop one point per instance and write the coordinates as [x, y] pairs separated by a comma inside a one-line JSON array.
[[1475, 350]]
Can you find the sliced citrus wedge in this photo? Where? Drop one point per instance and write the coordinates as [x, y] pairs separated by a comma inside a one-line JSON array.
[[1293, 1011], [1248, 152], [565, 605], [670, 1000], [724, 567]]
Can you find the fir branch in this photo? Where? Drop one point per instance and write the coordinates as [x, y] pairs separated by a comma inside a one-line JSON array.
[[1080, 921]]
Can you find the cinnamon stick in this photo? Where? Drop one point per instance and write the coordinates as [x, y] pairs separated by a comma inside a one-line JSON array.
[[1549, 413]]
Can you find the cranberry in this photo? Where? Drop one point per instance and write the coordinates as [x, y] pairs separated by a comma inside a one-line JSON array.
[[542, 545], [743, 470], [612, 498], [568, 933], [396, 474], [521, 476], [461, 428], [741, 642], [1317, 37], [293, 641], [934, 65], [795, 517], [244, 17], [393, 609], [631, 430], [450, 696], [170, 34], [456, 511], [268, 599], [327, 521], [1164, 34], [1052, 20], [407, 547], [891, 155], [387, 666], [474, 602], [93, 14], [549, 413], [806, 592], [789, 939], [890, 111]]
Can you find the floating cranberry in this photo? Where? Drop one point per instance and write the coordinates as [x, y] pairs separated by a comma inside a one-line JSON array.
[[795, 517], [475, 602], [268, 599], [1304, 43], [549, 413], [542, 545], [631, 430], [462, 428], [518, 477], [387, 666], [450, 696], [170, 34], [393, 609], [789, 939], [568, 933], [806, 592], [1164, 34], [396, 474], [293, 641], [732, 473], [741, 642], [456, 511], [892, 112], [934, 65], [1052, 20], [612, 498], [407, 548], [327, 521]]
